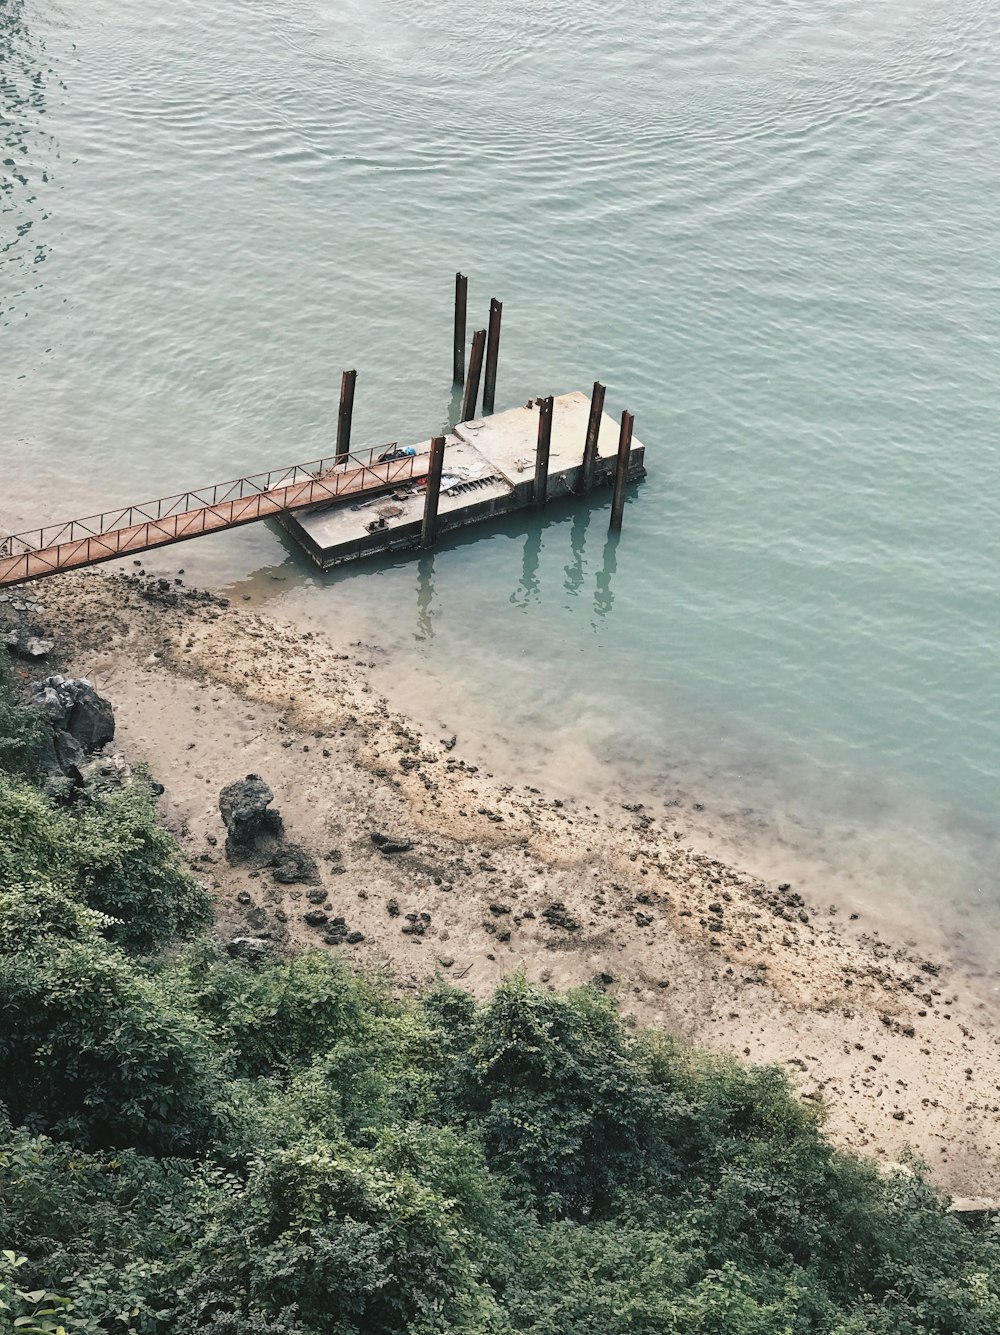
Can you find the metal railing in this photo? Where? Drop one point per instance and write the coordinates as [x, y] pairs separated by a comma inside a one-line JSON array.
[[187, 514], [332, 470]]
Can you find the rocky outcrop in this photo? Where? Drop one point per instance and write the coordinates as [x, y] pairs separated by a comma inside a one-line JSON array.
[[24, 644], [79, 723], [255, 833], [71, 705], [248, 816], [21, 634]]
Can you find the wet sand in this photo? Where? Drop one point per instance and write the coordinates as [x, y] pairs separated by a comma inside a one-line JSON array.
[[897, 1048]]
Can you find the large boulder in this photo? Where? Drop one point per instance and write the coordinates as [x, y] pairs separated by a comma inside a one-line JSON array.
[[91, 719], [24, 643], [69, 755], [246, 811], [80, 722], [249, 949], [255, 834], [72, 705]]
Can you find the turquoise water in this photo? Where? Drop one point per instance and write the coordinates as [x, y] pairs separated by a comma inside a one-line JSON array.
[[769, 228]]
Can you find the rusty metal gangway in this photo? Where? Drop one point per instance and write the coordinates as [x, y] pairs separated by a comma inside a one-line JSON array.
[[189, 514]]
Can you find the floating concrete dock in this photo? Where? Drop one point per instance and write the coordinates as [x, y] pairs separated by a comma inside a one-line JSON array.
[[489, 469], [382, 499]]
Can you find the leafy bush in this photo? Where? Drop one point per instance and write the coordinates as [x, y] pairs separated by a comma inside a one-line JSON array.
[[111, 855], [348, 1242], [33, 843], [563, 1102], [275, 1019], [89, 1048], [123, 863], [29, 1313]]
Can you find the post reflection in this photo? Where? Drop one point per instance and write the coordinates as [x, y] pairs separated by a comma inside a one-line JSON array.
[[425, 597], [604, 597], [528, 589], [577, 541]]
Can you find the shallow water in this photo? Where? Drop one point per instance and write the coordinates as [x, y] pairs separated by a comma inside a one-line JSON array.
[[769, 228]]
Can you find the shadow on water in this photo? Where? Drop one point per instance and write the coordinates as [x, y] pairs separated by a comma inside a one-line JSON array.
[[575, 573], [573, 582], [523, 548]]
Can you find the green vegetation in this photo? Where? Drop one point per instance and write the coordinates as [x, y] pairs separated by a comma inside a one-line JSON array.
[[20, 735], [191, 1145]]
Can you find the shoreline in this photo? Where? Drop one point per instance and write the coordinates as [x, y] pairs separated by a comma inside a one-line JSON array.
[[896, 1047], [742, 822]]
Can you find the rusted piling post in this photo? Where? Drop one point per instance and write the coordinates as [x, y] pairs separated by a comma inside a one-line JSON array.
[[475, 371], [541, 491], [461, 298], [621, 472], [346, 411], [593, 434], [492, 353], [428, 531]]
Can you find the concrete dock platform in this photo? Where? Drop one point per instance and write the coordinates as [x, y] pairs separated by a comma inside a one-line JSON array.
[[489, 469]]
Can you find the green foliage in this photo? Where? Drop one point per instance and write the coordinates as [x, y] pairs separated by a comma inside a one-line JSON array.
[[198, 1146], [33, 842], [20, 730], [90, 1048], [106, 850], [276, 1019], [392, 1244], [386, 1168], [32, 1313], [109, 853], [563, 1101], [123, 863]]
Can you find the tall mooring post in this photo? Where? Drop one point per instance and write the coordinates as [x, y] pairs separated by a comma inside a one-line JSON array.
[[621, 472], [461, 301], [475, 371], [345, 413], [492, 355], [593, 434], [428, 531], [541, 490]]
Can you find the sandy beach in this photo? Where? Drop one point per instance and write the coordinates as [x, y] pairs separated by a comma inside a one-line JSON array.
[[499, 876]]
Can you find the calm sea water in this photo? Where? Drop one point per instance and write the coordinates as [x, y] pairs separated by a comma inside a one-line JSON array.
[[769, 227]]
